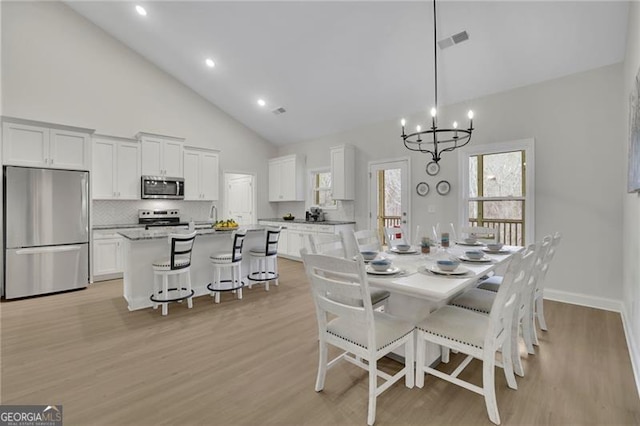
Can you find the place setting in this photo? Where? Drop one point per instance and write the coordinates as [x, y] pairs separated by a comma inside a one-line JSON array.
[[383, 267], [470, 241], [403, 249], [495, 248], [475, 256], [446, 268]]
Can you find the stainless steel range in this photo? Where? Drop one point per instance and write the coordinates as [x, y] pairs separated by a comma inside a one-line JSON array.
[[157, 218]]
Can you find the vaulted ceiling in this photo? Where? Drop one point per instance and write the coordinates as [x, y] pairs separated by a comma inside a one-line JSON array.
[[338, 65]]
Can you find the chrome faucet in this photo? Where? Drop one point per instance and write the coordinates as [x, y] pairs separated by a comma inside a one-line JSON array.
[[213, 213]]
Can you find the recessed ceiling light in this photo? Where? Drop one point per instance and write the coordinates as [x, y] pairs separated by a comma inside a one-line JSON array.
[[210, 63], [141, 10], [261, 102]]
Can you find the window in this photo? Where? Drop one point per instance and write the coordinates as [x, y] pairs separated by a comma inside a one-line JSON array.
[[498, 190], [321, 195]]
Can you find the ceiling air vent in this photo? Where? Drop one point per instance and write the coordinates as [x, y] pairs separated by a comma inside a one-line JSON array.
[[279, 111], [454, 39]]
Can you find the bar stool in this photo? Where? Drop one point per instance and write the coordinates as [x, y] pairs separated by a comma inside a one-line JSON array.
[[264, 261], [177, 265], [233, 262]]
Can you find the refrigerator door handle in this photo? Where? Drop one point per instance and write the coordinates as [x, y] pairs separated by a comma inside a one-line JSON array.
[[38, 250]]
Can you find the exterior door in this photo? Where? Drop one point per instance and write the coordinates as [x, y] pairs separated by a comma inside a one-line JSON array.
[[389, 202]]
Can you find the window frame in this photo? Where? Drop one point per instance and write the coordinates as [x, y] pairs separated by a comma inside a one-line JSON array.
[[526, 145], [312, 188]]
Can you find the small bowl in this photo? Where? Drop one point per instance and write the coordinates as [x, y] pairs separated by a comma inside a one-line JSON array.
[[471, 240], [380, 265], [448, 265], [403, 247], [495, 246], [369, 255], [474, 254], [288, 217]]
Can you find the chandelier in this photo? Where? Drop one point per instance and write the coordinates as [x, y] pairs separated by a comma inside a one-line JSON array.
[[435, 140]]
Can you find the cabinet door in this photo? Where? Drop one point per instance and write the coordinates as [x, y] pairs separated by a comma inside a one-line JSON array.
[[191, 175], [209, 180], [103, 178], [297, 241], [151, 157], [107, 256], [274, 181], [128, 171], [24, 145], [342, 173], [69, 150], [288, 179], [172, 159]]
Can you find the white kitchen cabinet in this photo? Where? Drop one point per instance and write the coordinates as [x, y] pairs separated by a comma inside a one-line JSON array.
[[35, 144], [107, 255], [116, 168], [286, 178], [161, 155], [343, 172], [201, 174]]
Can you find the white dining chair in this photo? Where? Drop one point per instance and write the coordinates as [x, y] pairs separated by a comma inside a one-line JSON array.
[[482, 233], [357, 329], [336, 245], [480, 300], [477, 335], [367, 240]]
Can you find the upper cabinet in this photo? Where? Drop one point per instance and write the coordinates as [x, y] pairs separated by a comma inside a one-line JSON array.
[[35, 144], [161, 155], [201, 174], [343, 172], [116, 168], [286, 178]]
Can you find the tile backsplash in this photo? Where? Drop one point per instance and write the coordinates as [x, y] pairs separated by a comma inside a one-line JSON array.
[[115, 212]]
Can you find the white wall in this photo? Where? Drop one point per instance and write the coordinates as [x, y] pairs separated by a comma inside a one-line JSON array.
[[631, 202], [58, 67], [576, 122]]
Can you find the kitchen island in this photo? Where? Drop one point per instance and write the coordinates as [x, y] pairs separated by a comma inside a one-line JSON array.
[[142, 247]]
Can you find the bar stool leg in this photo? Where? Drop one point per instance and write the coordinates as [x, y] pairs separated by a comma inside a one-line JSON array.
[[275, 269], [217, 285], [237, 275], [190, 298], [165, 293], [156, 284], [265, 274]]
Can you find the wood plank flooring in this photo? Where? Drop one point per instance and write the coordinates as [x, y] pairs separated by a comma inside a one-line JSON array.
[[253, 361]]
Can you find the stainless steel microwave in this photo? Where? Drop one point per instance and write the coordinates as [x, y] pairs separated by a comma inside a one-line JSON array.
[[168, 188]]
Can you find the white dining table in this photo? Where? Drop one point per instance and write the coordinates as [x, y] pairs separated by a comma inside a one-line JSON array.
[[416, 292]]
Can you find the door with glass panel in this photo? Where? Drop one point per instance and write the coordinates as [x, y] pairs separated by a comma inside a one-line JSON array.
[[498, 191], [389, 196]]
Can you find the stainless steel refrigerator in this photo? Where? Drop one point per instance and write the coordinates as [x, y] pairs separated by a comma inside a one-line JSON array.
[[46, 229]]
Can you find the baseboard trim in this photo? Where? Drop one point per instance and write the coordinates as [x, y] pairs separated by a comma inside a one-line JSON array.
[[583, 300], [634, 352]]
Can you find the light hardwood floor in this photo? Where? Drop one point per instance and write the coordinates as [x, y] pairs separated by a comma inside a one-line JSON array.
[[253, 361]]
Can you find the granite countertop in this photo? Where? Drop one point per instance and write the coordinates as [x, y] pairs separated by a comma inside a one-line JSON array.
[[152, 234], [326, 222]]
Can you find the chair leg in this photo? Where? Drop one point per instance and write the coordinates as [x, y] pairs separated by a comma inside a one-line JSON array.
[[488, 387], [217, 285], [322, 364], [511, 357], [540, 313], [444, 354], [527, 334], [420, 354], [165, 293], [189, 299], [409, 378], [373, 386]]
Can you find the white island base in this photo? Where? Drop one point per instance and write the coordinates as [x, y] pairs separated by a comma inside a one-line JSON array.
[[144, 247]]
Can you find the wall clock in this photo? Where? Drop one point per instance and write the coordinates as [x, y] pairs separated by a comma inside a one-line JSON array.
[[433, 168], [422, 189], [443, 187]]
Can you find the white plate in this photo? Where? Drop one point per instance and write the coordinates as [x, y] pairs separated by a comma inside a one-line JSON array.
[[476, 244], [390, 271], [410, 251], [501, 251], [483, 259], [460, 270]]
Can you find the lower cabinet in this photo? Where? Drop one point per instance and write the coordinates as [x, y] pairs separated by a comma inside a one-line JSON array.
[[107, 259], [295, 236]]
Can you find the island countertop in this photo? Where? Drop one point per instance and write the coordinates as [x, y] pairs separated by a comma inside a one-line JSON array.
[[308, 222], [137, 234]]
